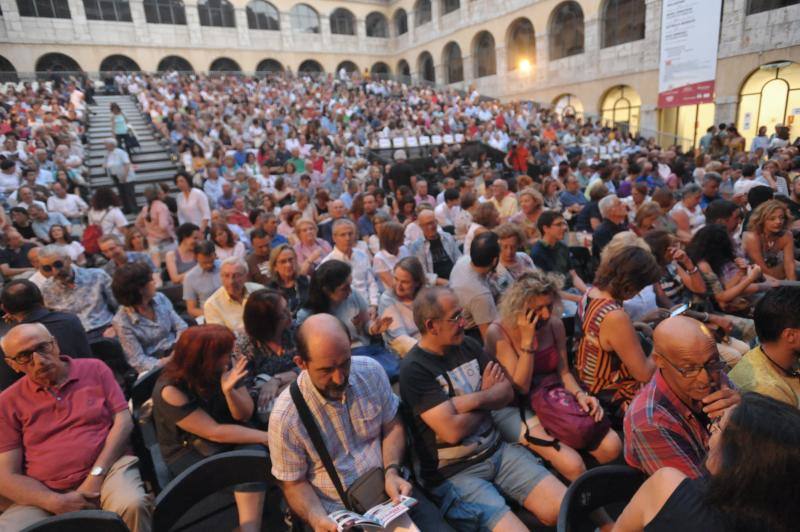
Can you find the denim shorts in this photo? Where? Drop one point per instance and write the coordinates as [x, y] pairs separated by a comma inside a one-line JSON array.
[[473, 499]]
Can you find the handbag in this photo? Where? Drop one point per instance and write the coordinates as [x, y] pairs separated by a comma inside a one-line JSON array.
[[562, 417], [91, 236], [367, 491]]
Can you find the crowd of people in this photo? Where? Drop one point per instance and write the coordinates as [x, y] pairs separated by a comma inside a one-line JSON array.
[[546, 295]]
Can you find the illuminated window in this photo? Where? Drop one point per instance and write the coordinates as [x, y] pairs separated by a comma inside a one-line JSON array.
[[621, 108], [521, 44], [770, 97], [568, 105], [684, 125]]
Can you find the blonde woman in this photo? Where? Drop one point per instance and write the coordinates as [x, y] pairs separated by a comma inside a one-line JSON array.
[[531, 205], [768, 242], [310, 249], [529, 341]]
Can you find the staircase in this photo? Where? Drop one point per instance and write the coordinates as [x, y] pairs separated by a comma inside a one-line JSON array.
[[152, 161]]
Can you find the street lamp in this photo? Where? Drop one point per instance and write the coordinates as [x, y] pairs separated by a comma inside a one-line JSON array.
[[525, 66]]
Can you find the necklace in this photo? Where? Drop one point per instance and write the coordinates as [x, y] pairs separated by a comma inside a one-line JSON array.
[[792, 372]]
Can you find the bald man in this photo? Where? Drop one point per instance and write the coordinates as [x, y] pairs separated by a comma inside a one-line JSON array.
[[64, 433], [669, 421], [357, 415]]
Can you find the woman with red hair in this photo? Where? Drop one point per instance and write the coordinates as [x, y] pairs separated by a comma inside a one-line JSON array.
[[201, 407]]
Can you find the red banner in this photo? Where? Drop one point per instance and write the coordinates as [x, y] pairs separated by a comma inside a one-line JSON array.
[[693, 94]]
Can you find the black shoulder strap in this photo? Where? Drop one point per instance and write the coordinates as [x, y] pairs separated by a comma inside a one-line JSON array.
[[533, 440], [316, 438]]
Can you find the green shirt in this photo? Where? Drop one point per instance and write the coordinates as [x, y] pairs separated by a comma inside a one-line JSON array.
[[756, 373]]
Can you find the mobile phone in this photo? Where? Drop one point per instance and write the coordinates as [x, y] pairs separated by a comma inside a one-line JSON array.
[[678, 311]]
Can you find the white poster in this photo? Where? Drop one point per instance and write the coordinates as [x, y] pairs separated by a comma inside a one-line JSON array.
[[689, 43]]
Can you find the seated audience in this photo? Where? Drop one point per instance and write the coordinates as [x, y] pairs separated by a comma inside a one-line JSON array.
[[310, 249], [202, 280], [146, 324], [344, 241], [529, 341], [85, 292], [667, 423], [760, 434], [112, 249], [615, 220], [687, 213], [329, 374], [59, 236], [225, 242], [42, 221], [773, 367], [513, 262], [450, 386], [390, 253], [285, 277], [610, 361], [201, 408], [182, 259], [158, 226], [226, 304], [769, 243], [64, 435], [470, 281], [258, 258], [396, 304], [14, 257]]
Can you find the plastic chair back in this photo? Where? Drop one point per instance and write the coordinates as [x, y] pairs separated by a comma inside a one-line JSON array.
[[82, 521], [595, 489]]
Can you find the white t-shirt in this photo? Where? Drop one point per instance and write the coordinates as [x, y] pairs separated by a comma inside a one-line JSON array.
[[112, 223]]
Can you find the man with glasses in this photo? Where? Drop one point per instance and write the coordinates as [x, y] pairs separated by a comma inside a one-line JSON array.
[[450, 386], [64, 431], [436, 250], [668, 422], [85, 292]]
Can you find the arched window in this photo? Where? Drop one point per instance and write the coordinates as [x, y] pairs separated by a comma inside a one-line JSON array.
[[566, 30], [623, 21], [401, 21], [119, 63], [343, 22], [621, 107], [521, 43], [224, 64], [113, 10], [348, 67], [262, 15], [422, 12], [174, 62], [7, 71], [448, 6], [309, 66], [403, 69], [483, 56], [216, 13], [453, 63], [269, 66], [759, 6], [568, 105], [770, 96], [425, 67], [56, 62], [377, 25], [304, 19], [43, 8], [164, 12], [380, 70]]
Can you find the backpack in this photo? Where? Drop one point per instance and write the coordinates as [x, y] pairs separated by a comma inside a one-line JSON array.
[[91, 236]]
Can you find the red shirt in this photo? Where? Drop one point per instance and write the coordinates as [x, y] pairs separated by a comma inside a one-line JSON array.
[[519, 159], [61, 433]]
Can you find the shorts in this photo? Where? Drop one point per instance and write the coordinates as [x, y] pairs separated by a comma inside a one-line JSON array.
[[510, 425], [474, 498]]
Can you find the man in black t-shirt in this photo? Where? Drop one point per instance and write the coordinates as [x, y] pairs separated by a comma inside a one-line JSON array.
[[401, 173], [14, 258], [450, 386]]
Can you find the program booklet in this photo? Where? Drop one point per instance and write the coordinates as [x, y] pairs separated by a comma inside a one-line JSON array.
[[377, 517]]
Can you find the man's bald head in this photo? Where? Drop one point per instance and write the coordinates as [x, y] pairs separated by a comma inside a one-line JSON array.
[[323, 346], [321, 332], [680, 336]]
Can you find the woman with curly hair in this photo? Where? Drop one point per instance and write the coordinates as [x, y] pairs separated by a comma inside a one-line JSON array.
[[769, 243], [610, 361], [529, 341]]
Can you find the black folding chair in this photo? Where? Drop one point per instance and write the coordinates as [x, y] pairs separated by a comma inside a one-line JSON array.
[[144, 439], [207, 477], [82, 521], [597, 488]]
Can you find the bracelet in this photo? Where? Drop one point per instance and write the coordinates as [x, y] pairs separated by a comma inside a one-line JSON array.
[[579, 392], [393, 466], [706, 317], [693, 270]]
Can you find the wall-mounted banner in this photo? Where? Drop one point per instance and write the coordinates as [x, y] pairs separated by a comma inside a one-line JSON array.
[[689, 42]]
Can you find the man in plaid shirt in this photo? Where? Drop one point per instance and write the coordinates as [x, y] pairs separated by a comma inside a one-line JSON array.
[[667, 423]]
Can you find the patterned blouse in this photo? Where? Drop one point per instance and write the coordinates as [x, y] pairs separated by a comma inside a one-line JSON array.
[[263, 359]]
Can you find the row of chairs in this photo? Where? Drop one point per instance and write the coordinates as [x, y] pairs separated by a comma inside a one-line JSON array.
[[201, 494]]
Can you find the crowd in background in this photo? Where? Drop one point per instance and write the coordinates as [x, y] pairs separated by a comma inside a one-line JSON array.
[[626, 294]]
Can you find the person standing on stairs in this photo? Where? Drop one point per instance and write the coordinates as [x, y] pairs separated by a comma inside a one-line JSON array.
[[119, 168], [120, 128]]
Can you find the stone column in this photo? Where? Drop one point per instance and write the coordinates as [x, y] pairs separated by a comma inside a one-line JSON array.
[[193, 26], [242, 29], [80, 26]]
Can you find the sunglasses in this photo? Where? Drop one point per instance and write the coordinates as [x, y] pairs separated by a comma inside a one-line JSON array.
[[57, 265]]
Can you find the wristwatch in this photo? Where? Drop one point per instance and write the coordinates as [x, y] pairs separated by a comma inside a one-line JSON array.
[[97, 471]]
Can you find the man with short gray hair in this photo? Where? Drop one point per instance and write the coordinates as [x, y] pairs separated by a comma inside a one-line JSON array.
[[226, 305], [615, 220], [505, 202]]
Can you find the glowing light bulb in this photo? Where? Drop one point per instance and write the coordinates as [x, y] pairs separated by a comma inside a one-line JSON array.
[[525, 66]]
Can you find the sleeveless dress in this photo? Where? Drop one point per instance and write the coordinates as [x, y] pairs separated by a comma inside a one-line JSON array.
[[686, 510], [602, 372]]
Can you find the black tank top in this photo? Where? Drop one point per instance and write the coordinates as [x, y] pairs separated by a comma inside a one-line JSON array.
[[687, 511]]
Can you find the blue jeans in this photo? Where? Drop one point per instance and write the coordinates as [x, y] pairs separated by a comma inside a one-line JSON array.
[[387, 359], [472, 499]]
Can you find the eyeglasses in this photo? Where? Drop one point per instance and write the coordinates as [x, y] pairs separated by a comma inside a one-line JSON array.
[[712, 367], [24, 357], [57, 265], [458, 317]]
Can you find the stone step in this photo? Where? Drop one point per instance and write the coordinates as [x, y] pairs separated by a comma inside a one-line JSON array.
[[97, 158], [148, 177], [139, 167]]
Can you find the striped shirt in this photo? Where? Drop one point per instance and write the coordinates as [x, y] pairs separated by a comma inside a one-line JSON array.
[[661, 431], [352, 430]]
